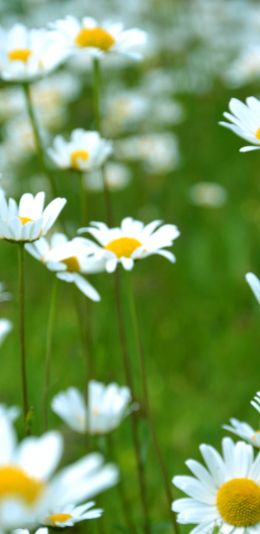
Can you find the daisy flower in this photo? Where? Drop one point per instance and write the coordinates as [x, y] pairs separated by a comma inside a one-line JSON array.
[[28, 220], [244, 431], [225, 494], [256, 401], [245, 121], [98, 39], [27, 54], [132, 241], [31, 494], [69, 260], [71, 515], [106, 407], [83, 152], [5, 328], [254, 283]]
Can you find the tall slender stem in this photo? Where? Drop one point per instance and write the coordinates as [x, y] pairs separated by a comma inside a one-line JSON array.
[[25, 400], [126, 507], [146, 400], [48, 353], [134, 421], [96, 92], [37, 136]]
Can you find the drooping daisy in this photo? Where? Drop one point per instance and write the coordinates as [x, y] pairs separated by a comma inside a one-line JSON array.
[[31, 495], [244, 431], [225, 494], [245, 121], [256, 401], [254, 283], [132, 241], [83, 152], [27, 54], [106, 406], [5, 328], [69, 260], [28, 220], [98, 39]]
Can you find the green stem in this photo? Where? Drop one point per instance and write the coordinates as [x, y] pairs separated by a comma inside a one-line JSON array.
[[37, 136], [96, 92], [146, 399], [83, 199], [134, 418], [25, 401], [48, 353], [126, 506]]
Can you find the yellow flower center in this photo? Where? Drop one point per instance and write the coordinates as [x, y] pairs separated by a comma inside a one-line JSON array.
[[15, 483], [25, 220], [59, 518], [95, 38], [238, 502], [257, 134], [76, 156], [123, 246], [72, 264], [19, 54]]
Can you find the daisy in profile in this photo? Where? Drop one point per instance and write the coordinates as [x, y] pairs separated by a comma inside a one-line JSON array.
[[69, 259], [254, 283], [98, 39], [83, 152], [244, 121], [5, 328], [106, 407], [31, 495], [225, 495], [256, 401], [27, 54], [244, 431], [28, 220], [132, 241]]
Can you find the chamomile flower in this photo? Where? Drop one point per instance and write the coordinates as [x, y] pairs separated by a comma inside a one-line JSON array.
[[132, 241], [26, 54], [254, 283], [106, 406], [28, 220], [256, 401], [5, 328], [225, 494], [31, 494], [69, 260], [83, 152], [71, 515], [98, 39], [245, 121], [244, 431]]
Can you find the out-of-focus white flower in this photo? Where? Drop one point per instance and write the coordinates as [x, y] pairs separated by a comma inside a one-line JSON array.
[[254, 283], [83, 152], [19, 141], [71, 515], [69, 260], [245, 69], [208, 194], [158, 152], [117, 175], [244, 431], [28, 220], [225, 495], [30, 494], [104, 410], [98, 40], [245, 121], [256, 401], [5, 328], [27, 54], [4, 295], [132, 241]]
